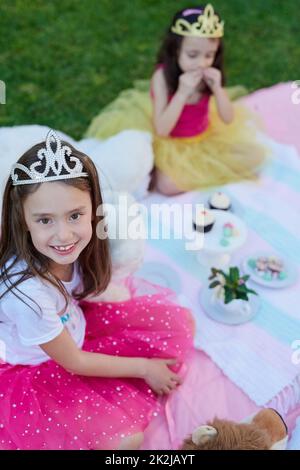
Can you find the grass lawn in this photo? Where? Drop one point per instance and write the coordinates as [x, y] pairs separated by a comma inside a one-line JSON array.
[[62, 60]]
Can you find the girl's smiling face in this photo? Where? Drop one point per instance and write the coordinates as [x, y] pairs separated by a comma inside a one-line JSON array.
[[197, 53], [58, 217]]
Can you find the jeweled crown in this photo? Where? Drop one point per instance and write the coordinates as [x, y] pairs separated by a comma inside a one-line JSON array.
[[208, 25], [55, 166]]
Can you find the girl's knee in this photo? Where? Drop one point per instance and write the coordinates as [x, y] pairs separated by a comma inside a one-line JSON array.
[[165, 185]]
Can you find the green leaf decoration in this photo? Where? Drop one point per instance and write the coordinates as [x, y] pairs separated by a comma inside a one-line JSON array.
[[228, 297], [214, 284], [234, 274], [242, 296], [232, 287], [242, 288], [250, 291]]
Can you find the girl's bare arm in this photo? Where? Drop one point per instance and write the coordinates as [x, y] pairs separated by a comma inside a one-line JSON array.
[[166, 114], [155, 372]]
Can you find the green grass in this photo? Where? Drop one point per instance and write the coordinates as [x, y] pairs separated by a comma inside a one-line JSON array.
[[63, 60]]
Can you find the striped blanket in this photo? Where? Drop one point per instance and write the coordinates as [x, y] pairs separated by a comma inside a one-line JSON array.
[[256, 356]]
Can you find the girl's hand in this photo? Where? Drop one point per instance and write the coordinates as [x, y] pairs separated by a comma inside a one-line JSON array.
[[213, 78], [159, 377], [189, 82]]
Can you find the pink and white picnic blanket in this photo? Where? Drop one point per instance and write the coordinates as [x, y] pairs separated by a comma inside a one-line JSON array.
[[255, 358]]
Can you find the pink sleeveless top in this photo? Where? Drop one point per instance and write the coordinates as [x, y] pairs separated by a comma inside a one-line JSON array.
[[193, 119]]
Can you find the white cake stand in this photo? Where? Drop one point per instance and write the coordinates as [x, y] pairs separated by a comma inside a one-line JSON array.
[[215, 253]]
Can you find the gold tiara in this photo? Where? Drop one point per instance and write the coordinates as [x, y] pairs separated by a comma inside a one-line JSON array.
[[208, 25]]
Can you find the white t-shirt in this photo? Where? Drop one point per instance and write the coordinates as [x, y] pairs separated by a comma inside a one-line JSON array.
[[22, 329]]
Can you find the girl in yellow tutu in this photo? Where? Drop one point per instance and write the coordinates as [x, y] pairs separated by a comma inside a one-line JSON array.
[[200, 138]]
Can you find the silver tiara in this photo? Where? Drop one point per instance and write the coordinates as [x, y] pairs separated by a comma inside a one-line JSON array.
[[54, 161]]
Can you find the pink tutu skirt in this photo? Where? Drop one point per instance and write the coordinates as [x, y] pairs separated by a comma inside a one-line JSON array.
[[46, 407]]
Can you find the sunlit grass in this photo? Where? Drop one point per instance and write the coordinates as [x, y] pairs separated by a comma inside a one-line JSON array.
[[64, 60]]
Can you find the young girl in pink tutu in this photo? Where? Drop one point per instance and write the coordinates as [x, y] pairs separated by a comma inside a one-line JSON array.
[[75, 373]]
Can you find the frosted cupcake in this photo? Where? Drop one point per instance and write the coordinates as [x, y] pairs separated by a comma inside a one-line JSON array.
[[204, 221], [219, 201]]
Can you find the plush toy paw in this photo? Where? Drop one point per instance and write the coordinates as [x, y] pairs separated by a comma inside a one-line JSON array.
[[264, 431]]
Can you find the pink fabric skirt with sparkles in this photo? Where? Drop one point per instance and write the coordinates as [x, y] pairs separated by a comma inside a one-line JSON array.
[[46, 407]]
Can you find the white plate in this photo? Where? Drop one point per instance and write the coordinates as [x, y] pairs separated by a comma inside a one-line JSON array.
[[215, 312], [161, 274], [290, 269], [212, 239]]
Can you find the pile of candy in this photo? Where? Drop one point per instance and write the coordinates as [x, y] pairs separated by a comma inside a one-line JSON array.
[[268, 268], [228, 232]]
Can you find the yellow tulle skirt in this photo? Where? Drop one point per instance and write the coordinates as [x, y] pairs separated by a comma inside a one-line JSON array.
[[224, 153]]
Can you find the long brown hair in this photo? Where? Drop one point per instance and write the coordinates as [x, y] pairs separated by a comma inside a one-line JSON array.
[[170, 48], [16, 244]]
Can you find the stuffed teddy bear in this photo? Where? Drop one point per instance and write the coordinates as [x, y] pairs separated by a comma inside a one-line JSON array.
[[264, 431]]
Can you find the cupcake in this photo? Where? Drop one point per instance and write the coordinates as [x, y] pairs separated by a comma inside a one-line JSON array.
[[203, 221], [219, 201]]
